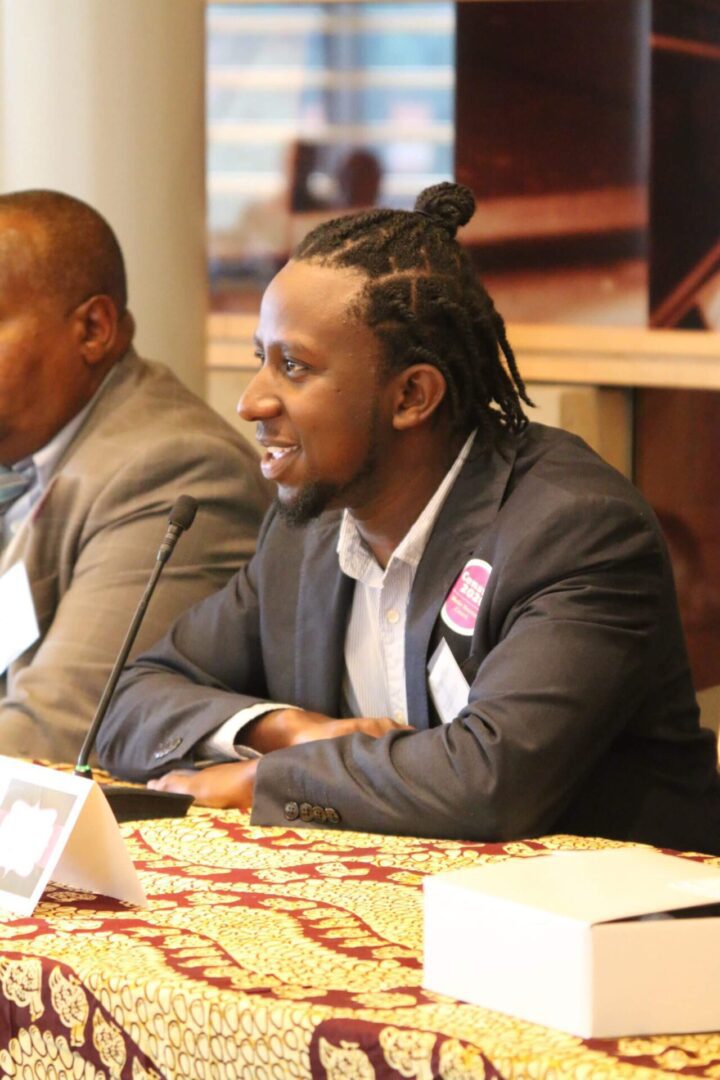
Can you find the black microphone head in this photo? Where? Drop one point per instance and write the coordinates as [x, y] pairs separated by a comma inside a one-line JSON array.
[[183, 512]]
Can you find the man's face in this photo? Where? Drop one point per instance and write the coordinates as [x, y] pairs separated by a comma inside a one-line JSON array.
[[42, 376], [321, 409]]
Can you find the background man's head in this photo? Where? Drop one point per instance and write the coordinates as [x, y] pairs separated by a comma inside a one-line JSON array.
[[63, 314]]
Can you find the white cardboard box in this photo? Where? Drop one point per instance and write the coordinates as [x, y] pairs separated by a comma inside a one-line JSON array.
[[555, 939]]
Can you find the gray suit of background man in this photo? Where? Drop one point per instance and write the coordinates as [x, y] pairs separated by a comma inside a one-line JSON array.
[[107, 442]]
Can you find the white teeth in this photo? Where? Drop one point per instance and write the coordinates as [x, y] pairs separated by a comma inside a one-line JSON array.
[[279, 451]]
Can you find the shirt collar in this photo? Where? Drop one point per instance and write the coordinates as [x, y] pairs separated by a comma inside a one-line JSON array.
[[47, 459], [355, 558]]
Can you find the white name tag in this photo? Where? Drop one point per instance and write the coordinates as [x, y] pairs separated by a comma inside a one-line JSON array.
[[57, 826], [449, 688], [18, 622]]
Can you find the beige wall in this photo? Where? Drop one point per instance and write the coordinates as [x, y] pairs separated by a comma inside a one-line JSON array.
[[104, 99]]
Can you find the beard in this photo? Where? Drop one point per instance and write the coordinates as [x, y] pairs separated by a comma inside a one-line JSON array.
[[317, 496], [309, 503]]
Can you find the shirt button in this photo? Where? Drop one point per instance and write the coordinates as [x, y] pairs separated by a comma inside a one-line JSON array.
[[331, 815], [306, 811], [291, 811], [318, 814], [393, 615]]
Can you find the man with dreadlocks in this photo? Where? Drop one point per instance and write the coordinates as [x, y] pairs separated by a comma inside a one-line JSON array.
[[457, 623]]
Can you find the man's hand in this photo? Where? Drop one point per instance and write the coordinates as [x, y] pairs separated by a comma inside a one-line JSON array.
[[291, 727], [221, 786]]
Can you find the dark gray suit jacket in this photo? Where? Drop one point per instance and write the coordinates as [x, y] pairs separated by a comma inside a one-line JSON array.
[[581, 715]]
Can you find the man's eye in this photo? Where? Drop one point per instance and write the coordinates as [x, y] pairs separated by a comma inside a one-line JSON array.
[[292, 367], [259, 355]]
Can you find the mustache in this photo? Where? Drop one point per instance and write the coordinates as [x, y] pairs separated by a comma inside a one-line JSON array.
[[268, 433]]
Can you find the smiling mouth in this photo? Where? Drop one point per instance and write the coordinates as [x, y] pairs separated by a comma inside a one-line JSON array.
[[279, 451], [275, 460]]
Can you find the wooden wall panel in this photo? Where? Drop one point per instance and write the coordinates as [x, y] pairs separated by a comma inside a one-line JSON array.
[[677, 467], [540, 110]]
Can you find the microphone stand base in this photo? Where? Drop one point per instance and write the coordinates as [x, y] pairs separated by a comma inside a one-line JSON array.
[[143, 804]]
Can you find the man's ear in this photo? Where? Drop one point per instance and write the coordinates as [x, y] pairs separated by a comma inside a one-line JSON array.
[[97, 327], [420, 389]]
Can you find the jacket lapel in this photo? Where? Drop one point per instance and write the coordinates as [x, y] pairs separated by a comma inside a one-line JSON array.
[[105, 402], [21, 541], [11, 553], [469, 509], [324, 600]]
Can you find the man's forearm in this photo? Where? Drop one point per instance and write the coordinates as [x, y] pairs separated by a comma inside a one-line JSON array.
[[282, 728]]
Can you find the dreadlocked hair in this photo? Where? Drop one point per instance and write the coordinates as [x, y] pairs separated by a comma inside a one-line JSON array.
[[425, 304]]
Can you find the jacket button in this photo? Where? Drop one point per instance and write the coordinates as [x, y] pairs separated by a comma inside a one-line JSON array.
[[306, 811], [331, 815], [167, 748], [291, 811], [318, 814]]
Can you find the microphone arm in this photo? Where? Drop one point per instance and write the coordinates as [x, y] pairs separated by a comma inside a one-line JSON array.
[[181, 518], [82, 768]]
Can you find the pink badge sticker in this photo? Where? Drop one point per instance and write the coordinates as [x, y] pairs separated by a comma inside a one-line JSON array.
[[460, 609]]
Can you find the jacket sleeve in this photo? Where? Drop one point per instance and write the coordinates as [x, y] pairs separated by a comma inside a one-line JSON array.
[[567, 638], [50, 697], [207, 667]]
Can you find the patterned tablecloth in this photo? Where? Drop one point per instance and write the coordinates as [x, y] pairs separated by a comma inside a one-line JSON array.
[[275, 953]]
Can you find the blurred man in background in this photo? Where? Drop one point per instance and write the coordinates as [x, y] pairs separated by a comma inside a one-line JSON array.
[[95, 446]]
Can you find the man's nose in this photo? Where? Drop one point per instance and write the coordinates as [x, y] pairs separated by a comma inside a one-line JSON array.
[[258, 401]]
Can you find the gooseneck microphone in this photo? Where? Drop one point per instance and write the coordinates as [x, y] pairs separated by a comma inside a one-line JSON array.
[[181, 518], [135, 803]]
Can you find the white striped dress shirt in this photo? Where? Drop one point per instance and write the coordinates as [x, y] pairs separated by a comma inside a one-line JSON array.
[[374, 681]]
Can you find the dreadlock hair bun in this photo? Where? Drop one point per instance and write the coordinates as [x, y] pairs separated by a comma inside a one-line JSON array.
[[423, 301], [448, 205]]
